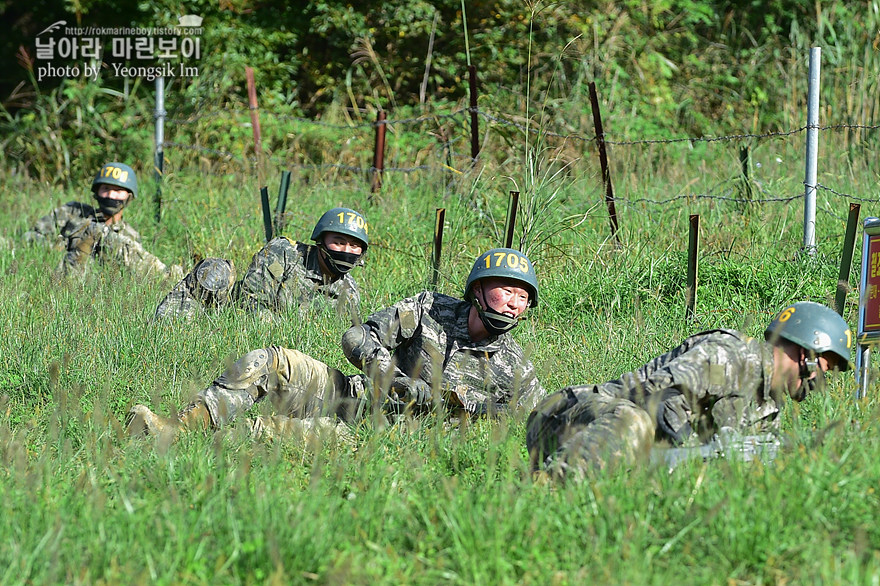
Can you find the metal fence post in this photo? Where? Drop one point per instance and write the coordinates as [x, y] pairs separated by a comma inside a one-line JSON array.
[[693, 263], [511, 218], [849, 242], [810, 175], [159, 154]]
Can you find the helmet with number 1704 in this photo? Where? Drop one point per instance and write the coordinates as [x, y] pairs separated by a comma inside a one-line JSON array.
[[342, 221]]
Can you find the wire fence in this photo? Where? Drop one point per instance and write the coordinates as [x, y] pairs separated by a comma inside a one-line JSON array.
[[450, 134]]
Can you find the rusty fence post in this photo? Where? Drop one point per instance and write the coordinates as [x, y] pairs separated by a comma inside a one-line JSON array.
[[438, 246], [603, 162], [511, 218], [475, 124], [849, 242], [378, 153], [255, 123]]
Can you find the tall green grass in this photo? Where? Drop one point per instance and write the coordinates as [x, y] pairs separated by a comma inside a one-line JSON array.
[[424, 502]]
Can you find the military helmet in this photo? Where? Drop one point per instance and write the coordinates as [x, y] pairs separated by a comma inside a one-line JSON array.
[[344, 221], [814, 327], [215, 274], [504, 263], [118, 174]]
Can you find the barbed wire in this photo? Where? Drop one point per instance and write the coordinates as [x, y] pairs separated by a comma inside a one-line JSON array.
[[374, 124], [300, 119], [709, 196], [498, 119], [448, 152], [444, 168], [847, 195], [693, 139], [192, 147], [536, 131], [312, 166], [197, 117]]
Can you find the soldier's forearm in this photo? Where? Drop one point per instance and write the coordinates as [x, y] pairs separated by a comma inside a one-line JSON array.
[[726, 443]]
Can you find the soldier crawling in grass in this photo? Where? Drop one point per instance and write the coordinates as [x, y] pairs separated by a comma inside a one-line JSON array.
[[283, 275], [86, 233], [718, 381], [425, 352]]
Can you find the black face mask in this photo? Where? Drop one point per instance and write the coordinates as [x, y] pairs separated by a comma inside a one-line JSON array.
[[338, 262], [110, 207], [495, 322]]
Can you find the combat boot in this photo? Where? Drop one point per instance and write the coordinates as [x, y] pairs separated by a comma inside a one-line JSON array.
[[194, 416], [143, 422]]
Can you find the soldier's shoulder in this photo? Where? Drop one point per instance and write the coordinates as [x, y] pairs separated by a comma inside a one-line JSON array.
[[284, 246], [731, 343], [277, 247], [438, 299], [720, 336], [431, 302], [350, 282], [125, 229], [78, 208]]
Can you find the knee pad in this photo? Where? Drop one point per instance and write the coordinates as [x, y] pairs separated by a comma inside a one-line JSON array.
[[247, 370]]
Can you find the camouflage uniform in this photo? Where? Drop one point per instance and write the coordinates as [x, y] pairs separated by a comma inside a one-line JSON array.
[[423, 337], [53, 228], [286, 274], [80, 230], [715, 379], [283, 275], [426, 338]]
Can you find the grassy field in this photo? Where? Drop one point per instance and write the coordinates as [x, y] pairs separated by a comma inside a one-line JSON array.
[[421, 503]]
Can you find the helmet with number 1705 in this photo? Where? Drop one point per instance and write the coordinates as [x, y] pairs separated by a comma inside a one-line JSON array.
[[504, 263]]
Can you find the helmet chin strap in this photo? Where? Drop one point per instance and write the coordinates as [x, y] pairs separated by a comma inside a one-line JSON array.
[[809, 366], [495, 322]]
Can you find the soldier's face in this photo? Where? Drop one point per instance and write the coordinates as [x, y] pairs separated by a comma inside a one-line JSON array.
[[503, 296], [113, 192], [343, 243], [793, 374]]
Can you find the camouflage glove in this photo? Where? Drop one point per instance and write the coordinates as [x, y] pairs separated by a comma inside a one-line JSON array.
[[486, 409], [671, 417], [81, 244], [408, 390]]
